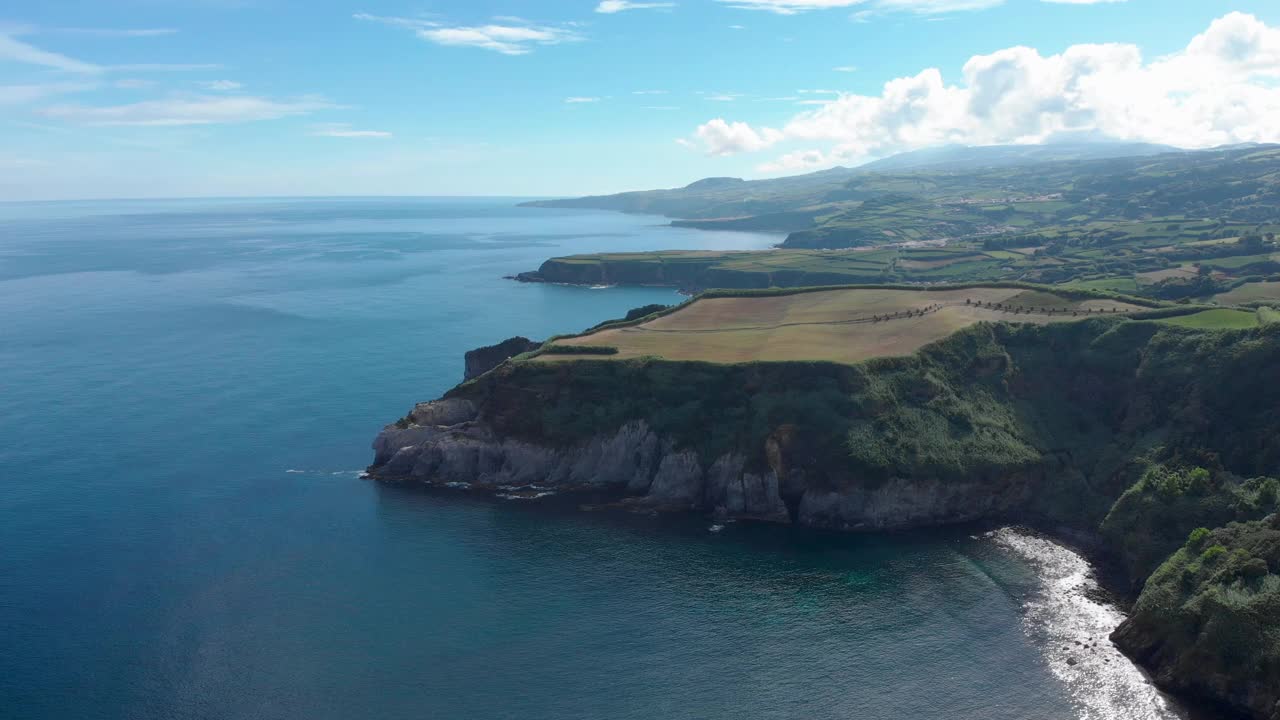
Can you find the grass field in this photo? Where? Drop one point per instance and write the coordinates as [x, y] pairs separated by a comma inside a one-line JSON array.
[[837, 325], [1250, 292], [1215, 320]]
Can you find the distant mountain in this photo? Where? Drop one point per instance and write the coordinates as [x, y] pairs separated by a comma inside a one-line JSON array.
[[948, 193], [721, 198], [967, 157]]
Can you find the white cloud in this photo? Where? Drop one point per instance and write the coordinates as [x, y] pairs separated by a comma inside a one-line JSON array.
[[133, 84], [648, 92], [723, 97], [798, 161], [724, 138], [24, 94], [615, 6], [577, 99], [165, 67], [933, 7], [845, 68], [1222, 88], [790, 7], [195, 110], [507, 35], [344, 130], [922, 7], [222, 85], [111, 32], [14, 49]]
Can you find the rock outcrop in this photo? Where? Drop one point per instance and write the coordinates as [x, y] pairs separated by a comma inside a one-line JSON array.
[[446, 445], [483, 359]]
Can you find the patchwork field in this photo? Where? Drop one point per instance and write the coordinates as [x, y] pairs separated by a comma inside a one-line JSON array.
[[847, 325]]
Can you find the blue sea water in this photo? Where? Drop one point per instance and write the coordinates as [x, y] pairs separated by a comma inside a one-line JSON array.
[[188, 390]]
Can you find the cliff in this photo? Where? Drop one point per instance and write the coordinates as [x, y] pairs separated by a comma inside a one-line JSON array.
[[1054, 426]]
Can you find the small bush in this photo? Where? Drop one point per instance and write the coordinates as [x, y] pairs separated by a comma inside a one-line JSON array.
[[1212, 553], [1197, 537]]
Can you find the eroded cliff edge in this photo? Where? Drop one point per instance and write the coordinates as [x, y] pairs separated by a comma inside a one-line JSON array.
[[1045, 425]]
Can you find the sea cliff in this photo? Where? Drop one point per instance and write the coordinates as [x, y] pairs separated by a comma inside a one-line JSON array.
[[1049, 426]]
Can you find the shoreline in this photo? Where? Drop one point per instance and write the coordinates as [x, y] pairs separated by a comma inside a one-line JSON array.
[[1074, 574]]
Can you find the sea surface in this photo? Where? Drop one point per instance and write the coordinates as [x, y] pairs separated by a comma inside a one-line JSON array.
[[188, 390]]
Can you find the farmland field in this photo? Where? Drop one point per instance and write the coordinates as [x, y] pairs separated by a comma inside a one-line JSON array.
[[1223, 319], [847, 325], [1250, 292]]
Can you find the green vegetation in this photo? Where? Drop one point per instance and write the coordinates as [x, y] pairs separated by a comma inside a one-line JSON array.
[[1177, 225], [1216, 319], [1206, 621], [1151, 519], [552, 349]]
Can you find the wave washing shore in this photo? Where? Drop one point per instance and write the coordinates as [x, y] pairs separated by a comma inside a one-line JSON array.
[[1069, 620]]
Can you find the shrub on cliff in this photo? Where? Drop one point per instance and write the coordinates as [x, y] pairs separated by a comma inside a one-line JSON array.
[[1153, 517], [1206, 620]]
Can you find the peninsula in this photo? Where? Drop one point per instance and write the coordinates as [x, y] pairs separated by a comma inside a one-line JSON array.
[[1146, 431]]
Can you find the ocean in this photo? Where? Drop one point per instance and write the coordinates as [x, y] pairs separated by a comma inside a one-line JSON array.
[[189, 390]]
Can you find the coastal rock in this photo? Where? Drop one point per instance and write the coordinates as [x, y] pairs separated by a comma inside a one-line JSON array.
[[451, 411], [901, 502], [730, 492], [633, 462]]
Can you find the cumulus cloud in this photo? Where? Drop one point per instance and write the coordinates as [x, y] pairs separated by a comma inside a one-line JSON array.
[[1221, 88], [725, 138], [507, 35], [617, 6], [197, 110]]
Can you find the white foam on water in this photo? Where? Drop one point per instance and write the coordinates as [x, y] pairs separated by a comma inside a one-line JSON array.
[[527, 496], [1074, 628]]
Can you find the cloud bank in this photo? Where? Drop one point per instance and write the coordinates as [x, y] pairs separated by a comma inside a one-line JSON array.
[[1223, 87]]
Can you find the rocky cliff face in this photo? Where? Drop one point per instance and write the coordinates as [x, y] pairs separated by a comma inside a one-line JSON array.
[[447, 444]]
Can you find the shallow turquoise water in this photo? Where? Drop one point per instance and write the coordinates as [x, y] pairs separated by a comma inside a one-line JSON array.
[[189, 391]]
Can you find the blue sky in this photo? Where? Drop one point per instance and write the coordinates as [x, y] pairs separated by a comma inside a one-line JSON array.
[[153, 98]]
